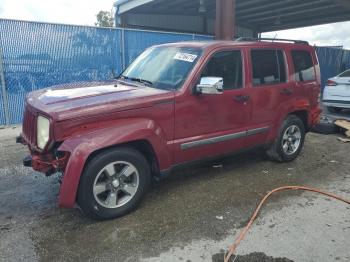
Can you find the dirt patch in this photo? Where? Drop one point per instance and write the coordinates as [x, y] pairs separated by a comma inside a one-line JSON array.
[[252, 257]]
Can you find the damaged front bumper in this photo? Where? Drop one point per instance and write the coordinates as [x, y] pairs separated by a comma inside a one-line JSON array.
[[47, 163]]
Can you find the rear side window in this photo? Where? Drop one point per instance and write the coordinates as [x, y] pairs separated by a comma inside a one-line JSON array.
[[268, 67], [228, 65], [345, 74], [303, 66]]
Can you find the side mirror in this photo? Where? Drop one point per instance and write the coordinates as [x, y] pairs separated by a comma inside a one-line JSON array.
[[210, 86]]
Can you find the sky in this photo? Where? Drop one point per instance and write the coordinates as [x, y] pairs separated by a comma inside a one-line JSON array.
[[336, 34], [83, 12], [79, 12]]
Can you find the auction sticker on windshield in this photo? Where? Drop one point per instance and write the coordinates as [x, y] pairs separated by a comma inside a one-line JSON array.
[[185, 57]]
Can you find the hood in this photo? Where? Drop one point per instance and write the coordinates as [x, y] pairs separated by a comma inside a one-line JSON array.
[[91, 98]]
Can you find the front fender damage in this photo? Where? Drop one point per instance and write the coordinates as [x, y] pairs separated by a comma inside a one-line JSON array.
[[81, 146]]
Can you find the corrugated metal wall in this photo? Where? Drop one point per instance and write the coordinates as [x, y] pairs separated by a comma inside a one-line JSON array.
[[37, 55], [345, 60]]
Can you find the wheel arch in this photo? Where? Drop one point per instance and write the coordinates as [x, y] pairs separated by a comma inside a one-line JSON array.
[[301, 112], [142, 145], [141, 134], [303, 115]]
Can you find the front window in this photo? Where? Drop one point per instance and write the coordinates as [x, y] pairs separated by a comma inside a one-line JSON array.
[[228, 65], [163, 67]]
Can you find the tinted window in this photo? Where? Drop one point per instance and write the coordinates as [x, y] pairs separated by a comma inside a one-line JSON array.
[[227, 65], [303, 66], [345, 74], [268, 67]]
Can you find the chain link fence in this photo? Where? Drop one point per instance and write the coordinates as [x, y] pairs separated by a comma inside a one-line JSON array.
[[35, 55], [38, 55], [4, 117]]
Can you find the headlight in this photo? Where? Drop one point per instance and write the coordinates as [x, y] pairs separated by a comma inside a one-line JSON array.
[[42, 131]]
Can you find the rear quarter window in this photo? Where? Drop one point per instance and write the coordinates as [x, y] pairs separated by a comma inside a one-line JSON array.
[[303, 66]]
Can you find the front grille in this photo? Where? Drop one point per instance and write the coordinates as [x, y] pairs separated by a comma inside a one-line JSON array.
[[29, 127]]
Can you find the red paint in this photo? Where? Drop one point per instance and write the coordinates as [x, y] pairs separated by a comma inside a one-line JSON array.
[[46, 162], [108, 116]]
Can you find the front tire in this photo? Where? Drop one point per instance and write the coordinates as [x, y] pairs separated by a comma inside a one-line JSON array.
[[289, 143], [113, 183]]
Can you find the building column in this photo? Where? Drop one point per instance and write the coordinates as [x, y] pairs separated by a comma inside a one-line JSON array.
[[225, 19]]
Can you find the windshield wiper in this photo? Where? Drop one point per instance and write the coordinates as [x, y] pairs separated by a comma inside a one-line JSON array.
[[140, 80]]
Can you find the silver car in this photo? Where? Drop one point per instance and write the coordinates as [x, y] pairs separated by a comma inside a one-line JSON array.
[[336, 94]]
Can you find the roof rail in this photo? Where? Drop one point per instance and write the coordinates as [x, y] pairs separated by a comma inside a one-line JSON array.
[[245, 39]]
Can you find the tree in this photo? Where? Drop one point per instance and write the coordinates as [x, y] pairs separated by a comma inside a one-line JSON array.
[[104, 19]]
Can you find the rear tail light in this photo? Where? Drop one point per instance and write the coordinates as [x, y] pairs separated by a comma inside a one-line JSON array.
[[331, 83]]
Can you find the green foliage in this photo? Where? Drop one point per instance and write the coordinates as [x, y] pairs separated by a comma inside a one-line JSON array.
[[104, 19]]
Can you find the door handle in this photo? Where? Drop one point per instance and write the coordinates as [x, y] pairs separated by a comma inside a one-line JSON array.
[[241, 98], [286, 91]]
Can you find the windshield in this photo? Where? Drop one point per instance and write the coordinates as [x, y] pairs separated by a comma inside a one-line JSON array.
[[163, 67], [345, 74]]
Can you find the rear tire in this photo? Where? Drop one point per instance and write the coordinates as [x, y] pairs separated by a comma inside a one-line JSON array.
[[289, 142], [334, 110], [113, 183]]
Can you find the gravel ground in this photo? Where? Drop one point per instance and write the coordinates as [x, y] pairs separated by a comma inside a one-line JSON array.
[[193, 215]]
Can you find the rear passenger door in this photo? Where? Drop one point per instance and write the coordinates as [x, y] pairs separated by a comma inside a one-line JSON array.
[[269, 90]]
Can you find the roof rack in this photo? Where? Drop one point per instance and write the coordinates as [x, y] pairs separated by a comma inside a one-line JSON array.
[[245, 39]]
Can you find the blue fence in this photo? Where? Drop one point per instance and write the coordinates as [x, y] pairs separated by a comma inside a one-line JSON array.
[[2, 109], [37, 55], [332, 62]]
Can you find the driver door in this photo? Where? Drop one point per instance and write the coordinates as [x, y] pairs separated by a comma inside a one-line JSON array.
[[213, 124]]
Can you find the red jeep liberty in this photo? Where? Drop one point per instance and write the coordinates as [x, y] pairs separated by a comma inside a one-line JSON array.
[[175, 104]]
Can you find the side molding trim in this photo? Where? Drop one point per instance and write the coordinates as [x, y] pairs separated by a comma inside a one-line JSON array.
[[213, 140], [217, 139], [256, 131]]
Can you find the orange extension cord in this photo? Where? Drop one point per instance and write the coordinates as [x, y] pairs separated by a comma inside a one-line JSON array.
[[238, 240]]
